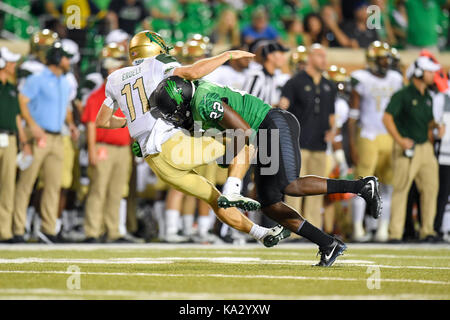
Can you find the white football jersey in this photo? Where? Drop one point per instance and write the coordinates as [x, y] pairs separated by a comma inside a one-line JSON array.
[[441, 113], [227, 76], [375, 93], [130, 88], [73, 85], [341, 109]]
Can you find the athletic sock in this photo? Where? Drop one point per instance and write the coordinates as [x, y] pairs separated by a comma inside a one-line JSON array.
[[344, 186], [371, 223], [212, 219], [172, 218], [188, 224], [258, 232], [159, 207], [386, 197], [313, 234], [358, 210], [232, 185], [204, 223], [58, 226], [123, 217]]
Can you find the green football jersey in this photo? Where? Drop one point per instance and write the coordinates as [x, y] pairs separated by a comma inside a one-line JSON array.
[[207, 105]]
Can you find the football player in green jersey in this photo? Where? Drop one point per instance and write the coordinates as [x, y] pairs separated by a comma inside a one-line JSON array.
[[278, 160]]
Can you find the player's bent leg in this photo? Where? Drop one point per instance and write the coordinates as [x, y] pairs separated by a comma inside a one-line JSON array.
[[367, 188], [186, 153], [231, 193], [234, 218], [330, 247], [204, 190]]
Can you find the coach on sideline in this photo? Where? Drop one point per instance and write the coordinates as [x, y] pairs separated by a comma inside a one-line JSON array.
[[9, 125], [409, 118], [44, 100]]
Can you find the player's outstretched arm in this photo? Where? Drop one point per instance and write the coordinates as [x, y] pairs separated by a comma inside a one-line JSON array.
[[105, 119], [203, 67]]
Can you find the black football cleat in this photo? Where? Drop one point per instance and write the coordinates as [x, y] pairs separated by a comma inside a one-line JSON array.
[[329, 254], [370, 193]]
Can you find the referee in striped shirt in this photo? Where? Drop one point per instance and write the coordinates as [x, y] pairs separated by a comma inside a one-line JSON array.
[[261, 78]]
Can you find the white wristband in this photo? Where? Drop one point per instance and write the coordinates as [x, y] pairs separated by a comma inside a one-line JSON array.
[[109, 102]]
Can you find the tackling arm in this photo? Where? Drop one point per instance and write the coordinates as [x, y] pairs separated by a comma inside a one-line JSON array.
[[205, 66], [244, 153]]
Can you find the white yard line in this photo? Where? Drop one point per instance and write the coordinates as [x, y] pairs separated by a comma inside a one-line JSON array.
[[193, 275], [230, 260], [247, 247], [43, 293], [85, 261], [226, 260], [393, 256]]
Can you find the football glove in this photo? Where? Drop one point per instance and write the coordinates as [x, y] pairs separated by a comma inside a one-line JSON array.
[[136, 148]]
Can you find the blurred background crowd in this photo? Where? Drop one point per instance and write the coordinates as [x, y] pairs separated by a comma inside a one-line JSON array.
[[299, 46], [333, 23]]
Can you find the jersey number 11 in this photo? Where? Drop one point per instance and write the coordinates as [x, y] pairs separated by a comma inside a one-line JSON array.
[[126, 91]]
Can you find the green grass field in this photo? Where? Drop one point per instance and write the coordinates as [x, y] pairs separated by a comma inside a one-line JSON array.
[[250, 272]]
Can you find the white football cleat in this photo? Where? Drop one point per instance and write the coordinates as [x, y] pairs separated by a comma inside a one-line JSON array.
[[275, 235], [238, 201]]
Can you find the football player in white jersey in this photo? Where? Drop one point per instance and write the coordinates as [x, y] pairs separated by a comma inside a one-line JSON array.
[[370, 144], [335, 153], [40, 42], [166, 149], [342, 80], [178, 204]]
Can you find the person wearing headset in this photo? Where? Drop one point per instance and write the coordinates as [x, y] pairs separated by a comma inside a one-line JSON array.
[[10, 128], [44, 101], [409, 119]]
